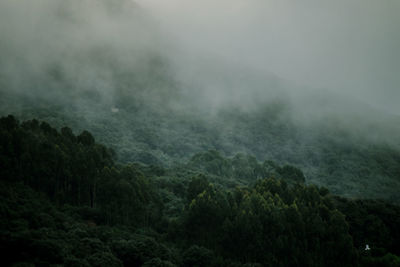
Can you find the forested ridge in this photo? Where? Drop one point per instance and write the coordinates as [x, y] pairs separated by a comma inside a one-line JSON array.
[[108, 68], [66, 201], [199, 133], [329, 151]]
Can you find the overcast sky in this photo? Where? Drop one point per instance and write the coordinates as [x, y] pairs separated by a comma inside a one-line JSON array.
[[347, 46]]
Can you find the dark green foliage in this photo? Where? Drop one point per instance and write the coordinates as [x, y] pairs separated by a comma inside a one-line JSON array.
[[86, 138], [243, 167], [196, 186], [73, 170], [374, 223], [34, 231], [196, 256], [139, 250], [270, 221], [57, 164], [157, 262], [64, 201], [124, 195], [292, 173], [103, 259]]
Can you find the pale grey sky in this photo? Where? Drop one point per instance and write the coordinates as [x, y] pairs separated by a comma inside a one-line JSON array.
[[347, 46]]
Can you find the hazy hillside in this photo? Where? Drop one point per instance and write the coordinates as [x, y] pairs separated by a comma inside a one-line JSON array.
[[359, 161], [147, 135]]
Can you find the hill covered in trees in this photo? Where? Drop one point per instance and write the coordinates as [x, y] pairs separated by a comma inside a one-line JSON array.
[[107, 68], [353, 159], [66, 201], [126, 148]]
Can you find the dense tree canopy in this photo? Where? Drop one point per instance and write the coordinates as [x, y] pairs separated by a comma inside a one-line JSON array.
[[64, 200]]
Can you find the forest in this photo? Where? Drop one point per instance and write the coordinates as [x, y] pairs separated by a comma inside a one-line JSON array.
[[66, 201], [199, 133]]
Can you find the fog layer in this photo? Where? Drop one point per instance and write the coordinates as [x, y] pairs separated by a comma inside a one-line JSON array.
[[55, 47], [218, 51], [348, 47]]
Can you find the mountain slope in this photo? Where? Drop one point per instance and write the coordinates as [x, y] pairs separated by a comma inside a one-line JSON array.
[[104, 68]]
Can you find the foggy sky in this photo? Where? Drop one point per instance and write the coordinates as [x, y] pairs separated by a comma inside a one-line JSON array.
[[236, 50], [74, 45], [351, 47]]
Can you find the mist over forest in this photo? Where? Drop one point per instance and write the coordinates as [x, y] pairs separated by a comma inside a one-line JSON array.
[[289, 106]]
